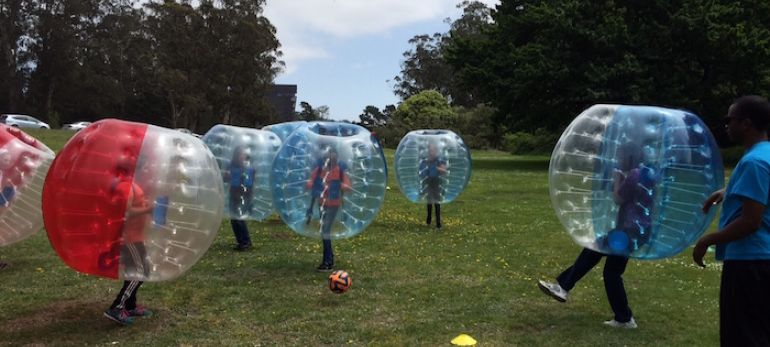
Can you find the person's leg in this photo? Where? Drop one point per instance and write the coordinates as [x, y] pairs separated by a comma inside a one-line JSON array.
[[613, 284], [120, 300], [236, 231], [744, 303], [427, 220], [309, 213], [438, 215], [327, 219], [130, 303], [241, 232], [584, 263]]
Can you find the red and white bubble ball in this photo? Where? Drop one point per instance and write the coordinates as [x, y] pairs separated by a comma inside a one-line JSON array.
[[24, 162], [132, 201]]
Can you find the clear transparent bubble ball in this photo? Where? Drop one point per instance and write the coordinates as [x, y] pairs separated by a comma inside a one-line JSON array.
[[24, 163], [631, 180], [432, 166], [328, 180], [245, 157]]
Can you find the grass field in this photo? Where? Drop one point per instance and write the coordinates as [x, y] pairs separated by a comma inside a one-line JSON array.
[[412, 285]]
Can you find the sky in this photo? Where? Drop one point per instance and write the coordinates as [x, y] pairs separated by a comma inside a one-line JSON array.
[[345, 53]]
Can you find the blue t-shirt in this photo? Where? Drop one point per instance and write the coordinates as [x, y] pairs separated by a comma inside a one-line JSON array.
[[241, 177], [750, 180], [429, 168]]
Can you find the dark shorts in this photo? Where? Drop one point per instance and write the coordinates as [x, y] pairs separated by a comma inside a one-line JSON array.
[[744, 303]]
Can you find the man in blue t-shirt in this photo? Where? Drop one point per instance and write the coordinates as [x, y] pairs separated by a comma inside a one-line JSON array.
[[743, 239]]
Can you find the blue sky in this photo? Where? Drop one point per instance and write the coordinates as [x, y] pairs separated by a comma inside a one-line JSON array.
[[345, 53]]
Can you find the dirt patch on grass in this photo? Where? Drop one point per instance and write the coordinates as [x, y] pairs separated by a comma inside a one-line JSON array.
[[72, 322]]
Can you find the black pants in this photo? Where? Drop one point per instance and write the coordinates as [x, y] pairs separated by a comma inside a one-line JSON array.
[[744, 303], [613, 279], [438, 214], [327, 220], [126, 299], [134, 260], [241, 231]]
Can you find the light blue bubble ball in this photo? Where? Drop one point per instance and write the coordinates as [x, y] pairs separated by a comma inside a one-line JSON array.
[[245, 157], [631, 180], [432, 166], [329, 177], [283, 130]]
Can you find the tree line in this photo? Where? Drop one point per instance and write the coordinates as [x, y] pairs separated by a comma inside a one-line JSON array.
[[528, 67], [184, 63]]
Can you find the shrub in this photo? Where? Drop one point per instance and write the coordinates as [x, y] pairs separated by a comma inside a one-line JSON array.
[[540, 142]]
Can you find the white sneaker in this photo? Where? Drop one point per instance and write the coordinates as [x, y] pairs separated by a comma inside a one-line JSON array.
[[554, 290], [628, 325]]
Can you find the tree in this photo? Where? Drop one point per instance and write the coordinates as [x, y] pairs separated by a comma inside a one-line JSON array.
[[542, 62], [14, 24], [309, 114], [425, 110], [373, 117], [424, 67]]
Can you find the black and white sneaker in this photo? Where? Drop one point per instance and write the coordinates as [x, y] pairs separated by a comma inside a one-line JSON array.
[[325, 267], [553, 290]]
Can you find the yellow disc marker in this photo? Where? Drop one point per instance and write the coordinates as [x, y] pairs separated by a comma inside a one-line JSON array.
[[463, 340]]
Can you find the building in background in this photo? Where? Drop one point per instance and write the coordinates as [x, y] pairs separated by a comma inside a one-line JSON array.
[[283, 99]]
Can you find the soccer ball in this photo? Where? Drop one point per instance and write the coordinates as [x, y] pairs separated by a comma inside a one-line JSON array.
[[339, 281]]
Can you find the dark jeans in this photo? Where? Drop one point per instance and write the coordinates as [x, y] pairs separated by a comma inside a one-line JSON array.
[[613, 279], [241, 232], [438, 214], [744, 303], [327, 220]]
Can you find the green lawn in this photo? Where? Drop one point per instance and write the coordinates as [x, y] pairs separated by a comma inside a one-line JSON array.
[[412, 285]]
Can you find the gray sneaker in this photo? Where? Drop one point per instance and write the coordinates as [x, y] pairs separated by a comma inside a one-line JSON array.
[[628, 325], [553, 290]]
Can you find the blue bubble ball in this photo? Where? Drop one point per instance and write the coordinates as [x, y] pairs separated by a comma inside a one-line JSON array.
[[631, 180], [283, 130], [245, 157], [328, 180], [432, 166]]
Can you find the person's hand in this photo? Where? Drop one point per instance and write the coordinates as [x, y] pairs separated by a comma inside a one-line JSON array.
[[715, 198], [699, 252], [308, 185]]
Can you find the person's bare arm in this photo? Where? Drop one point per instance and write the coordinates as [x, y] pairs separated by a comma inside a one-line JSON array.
[[747, 223]]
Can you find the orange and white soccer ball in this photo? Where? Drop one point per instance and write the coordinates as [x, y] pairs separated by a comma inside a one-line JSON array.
[[339, 281]]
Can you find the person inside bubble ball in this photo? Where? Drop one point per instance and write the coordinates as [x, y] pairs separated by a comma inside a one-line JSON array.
[[743, 238], [334, 181], [633, 191], [315, 191], [132, 250], [241, 176], [430, 171]]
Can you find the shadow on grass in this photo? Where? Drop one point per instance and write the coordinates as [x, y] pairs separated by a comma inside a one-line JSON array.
[[512, 164], [70, 322]]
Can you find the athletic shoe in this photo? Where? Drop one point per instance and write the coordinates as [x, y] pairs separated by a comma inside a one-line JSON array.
[[628, 325], [140, 311], [553, 290], [325, 267], [119, 316], [244, 247]]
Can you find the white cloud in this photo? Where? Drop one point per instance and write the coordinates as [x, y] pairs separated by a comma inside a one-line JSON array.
[[302, 25]]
